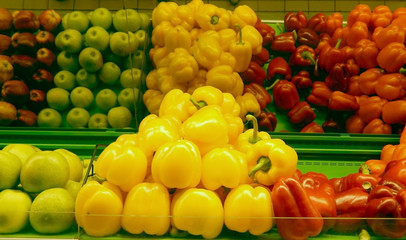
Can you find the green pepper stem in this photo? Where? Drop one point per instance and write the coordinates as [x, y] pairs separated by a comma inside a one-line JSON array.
[[365, 169], [338, 43], [198, 104], [273, 84], [294, 35], [367, 186], [364, 235], [254, 138], [308, 55], [240, 32], [402, 70], [280, 27], [263, 164], [214, 19]]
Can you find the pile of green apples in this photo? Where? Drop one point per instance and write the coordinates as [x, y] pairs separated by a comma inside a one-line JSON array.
[[38, 189], [101, 60]]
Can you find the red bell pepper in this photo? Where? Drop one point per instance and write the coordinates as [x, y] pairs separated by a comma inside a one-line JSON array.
[[357, 32], [261, 94], [361, 179], [394, 112], [381, 17], [352, 67], [306, 36], [278, 68], [382, 36], [293, 21], [391, 86], [312, 127], [301, 114], [303, 56], [289, 199], [325, 39], [393, 185], [331, 55], [322, 195], [369, 79], [333, 22], [396, 171], [370, 108], [375, 167], [254, 74], [340, 37], [317, 23], [351, 206], [377, 126], [365, 53], [338, 77], [302, 80], [267, 32], [392, 57], [361, 12], [285, 95], [320, 94], [331, 124], [340, 101], [384, 207], [353, 86], [284, 42], [354, 124], [267, 121], [262, 57]]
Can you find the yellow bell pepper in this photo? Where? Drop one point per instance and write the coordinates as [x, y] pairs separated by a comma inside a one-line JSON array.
[[243, 15], [152, 100], [195, 5], [224, 167], [199, 81], [208, 95], [223, 78], [242, 51], [207, 50], [122, 165], [177, 37], [235, 127], [229, 105], [164, 11], [270, 160], [150, 80], [249, 105], [155, 131], [251, 35], [197, 211], [183, 17], [178, 104], [249, 208], [194, 35], [227, 36], [182, 66], [157, 54], [130, 139], [177, 164], [98, 210], [246, 140], [226, 58], [159, 32], [211, 17], [166, 82], [207, 128], [147, 209], [239, 85]]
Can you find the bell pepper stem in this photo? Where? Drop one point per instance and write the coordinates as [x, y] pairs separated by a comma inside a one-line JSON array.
[[263, 164], [402, 70], [364, 235], [198, 104], [214, 19], [281, 29], [308, 55], [365, 169], [294, 35], [240, 34], [338, 43], [272, 85], [367, 186], [254, 138]]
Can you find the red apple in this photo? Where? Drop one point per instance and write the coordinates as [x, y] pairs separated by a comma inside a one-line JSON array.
[[49, 19], [42, 79], [25, 20], [6, 70], [5, 43], [8, 113], [37, 100], [26, 118], [6, 19], [46, 58], [24, 42], [45, 39], [16, 92]]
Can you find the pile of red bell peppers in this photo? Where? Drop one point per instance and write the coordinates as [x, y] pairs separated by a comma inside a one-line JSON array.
[[354, 71]]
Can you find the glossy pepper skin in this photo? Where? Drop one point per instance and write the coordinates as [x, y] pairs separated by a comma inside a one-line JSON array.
[[320, 94], [353, 86], [381, 17], [361, 12], [394, 112], [303, 56], [365, 53], [226, 79], [306, 36], [147, 209], [330, 55], [317, 23], [249, 105], [354, 180], [375, 166], [301, 114], [370, 108], [338, 77], [261, 58], [267, 121], [248, 208], [293, 21], [177, 103], [396, 171], [261, 94], [254, 74], [270, 160], [289, 199], [377, 126], [340, 101], [357, 32], [242, 51], [382, 36], [284, 42], [302, 80], [382, 204], [211, 17], [252, 36], [391, 86], [278, 68], [267, 32], [98, 209], [207, 219], [285, 95], [246, 140], [368, 80], [392, 57], [334, 21]]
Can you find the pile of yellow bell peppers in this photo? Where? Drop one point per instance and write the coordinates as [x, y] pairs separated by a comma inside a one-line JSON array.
[[199, 44], [192, 168]]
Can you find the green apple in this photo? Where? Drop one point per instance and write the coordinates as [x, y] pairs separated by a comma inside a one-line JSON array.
[[75, 164], [81, 97], [131, 78], [101, 17], [58, 99], [127, 20], [44, 170], [97, 37], [15, 206], [91, 59], [65, 79], [53, 211], [142, 38], [21, 150], [136, 60], [123, 44], [69, 40], [64, 21], [128, 97], [145, 21], [76, 20], [119, 117], [73, 188], [98, 120], [87, 79], [68, 61], [109, 56], [106, 99], [9, 170], [49, 117], [78, 117], [109, 73]]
